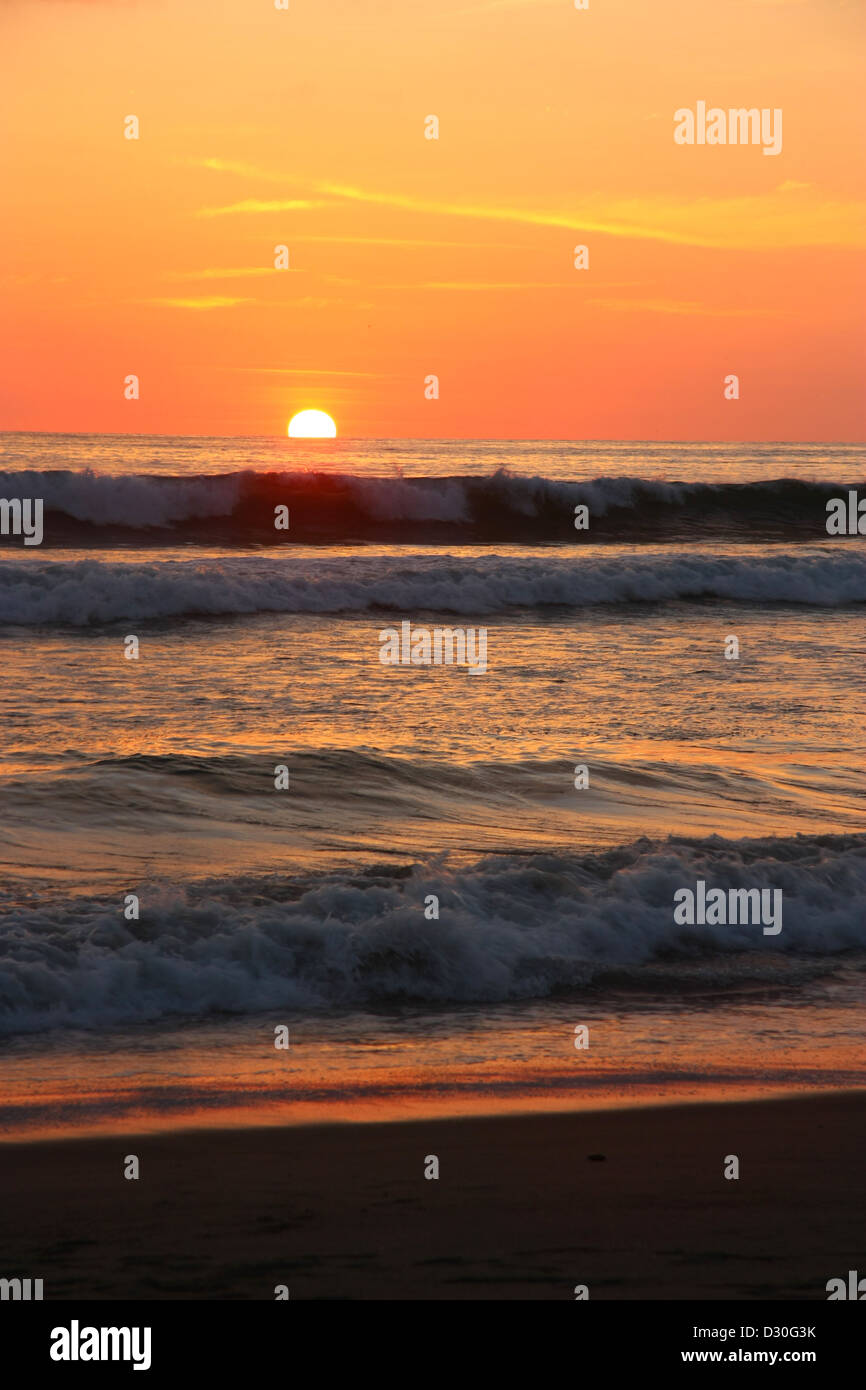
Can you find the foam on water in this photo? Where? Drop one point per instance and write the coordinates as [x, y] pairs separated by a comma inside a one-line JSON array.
[[512, 927], [82, 593]]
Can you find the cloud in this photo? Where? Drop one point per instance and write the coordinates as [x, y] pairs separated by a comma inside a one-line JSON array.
[[750, 221], [715, 223], [234, 166], [525, 216], [214, 301], [263, 205]]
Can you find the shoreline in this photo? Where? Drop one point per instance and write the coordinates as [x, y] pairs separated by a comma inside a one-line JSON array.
[[456, 1108], [632, 1203]]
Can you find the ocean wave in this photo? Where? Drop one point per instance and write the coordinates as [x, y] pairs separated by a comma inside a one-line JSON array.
[[82, 593], [240, 787], [84, 508], [510, 927]]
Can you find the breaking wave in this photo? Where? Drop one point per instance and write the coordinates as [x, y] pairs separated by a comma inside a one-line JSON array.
[[82, 593], [510, 927], [85, 508]]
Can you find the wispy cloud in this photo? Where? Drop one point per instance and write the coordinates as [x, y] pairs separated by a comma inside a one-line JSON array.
[[791, 215], [527, 216], [234, 166], [715, 223], [214, 301], [263, 205]]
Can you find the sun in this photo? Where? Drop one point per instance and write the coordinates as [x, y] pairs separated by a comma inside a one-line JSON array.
[[312, 424]]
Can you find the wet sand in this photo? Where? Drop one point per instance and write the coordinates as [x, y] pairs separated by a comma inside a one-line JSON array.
[[633, 1204]]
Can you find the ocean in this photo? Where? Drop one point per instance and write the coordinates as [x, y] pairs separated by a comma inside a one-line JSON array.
[[437, 900]]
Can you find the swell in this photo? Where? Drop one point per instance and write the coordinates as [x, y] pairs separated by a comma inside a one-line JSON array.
[[91, 592], [88, 509], [149, 783], [511, 927]]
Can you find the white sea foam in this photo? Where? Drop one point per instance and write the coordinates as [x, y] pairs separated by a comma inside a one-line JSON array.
[[84, 592], [137, 501], [510, 927]]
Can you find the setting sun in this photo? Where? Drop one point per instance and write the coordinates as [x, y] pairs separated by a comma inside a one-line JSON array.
[[312, 424]]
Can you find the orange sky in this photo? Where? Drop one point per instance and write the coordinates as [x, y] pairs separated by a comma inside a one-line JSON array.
[[412, 256]]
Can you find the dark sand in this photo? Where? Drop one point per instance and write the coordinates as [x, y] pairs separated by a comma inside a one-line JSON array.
[[520, 1210]]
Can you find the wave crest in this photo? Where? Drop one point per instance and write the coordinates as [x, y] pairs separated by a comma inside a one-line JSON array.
[[90, 592], [88, 508], [510, 927]]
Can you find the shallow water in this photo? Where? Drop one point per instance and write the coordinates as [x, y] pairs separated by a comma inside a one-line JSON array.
[[306, 906]]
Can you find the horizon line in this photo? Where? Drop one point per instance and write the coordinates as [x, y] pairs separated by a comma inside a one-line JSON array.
[[426, 439]]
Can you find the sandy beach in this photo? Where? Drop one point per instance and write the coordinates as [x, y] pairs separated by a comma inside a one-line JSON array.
[[633, 1204]]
